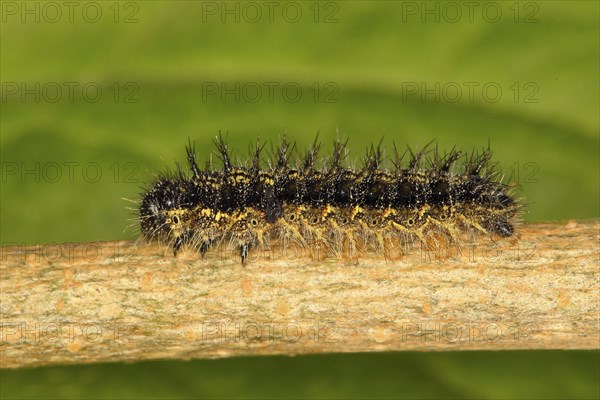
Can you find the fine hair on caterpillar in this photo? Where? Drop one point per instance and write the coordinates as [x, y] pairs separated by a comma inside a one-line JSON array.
[[287, 197]]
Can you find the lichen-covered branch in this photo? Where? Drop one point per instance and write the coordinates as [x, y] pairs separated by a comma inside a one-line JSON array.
[[125, 301]]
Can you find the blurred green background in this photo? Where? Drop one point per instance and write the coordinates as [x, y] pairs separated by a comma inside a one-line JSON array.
[[98, 96]]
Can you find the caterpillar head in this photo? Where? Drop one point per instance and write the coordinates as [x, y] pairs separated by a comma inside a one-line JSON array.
[[164, 215]]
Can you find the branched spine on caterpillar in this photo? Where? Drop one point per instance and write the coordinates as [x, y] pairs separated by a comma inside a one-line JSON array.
[[326, 204]]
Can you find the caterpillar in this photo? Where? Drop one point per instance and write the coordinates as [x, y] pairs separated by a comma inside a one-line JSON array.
[[324, 203]]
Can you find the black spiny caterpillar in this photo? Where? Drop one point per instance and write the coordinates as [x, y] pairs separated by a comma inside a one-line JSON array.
[[326, 204]]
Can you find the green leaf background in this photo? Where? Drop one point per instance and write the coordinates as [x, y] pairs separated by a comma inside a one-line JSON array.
[[367, 59]]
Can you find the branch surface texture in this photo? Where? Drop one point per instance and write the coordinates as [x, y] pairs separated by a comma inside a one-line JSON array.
[[128, 301]]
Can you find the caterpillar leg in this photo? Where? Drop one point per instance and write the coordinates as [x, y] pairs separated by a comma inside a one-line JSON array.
[[244, 248], [204, 248], [178, 243]]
